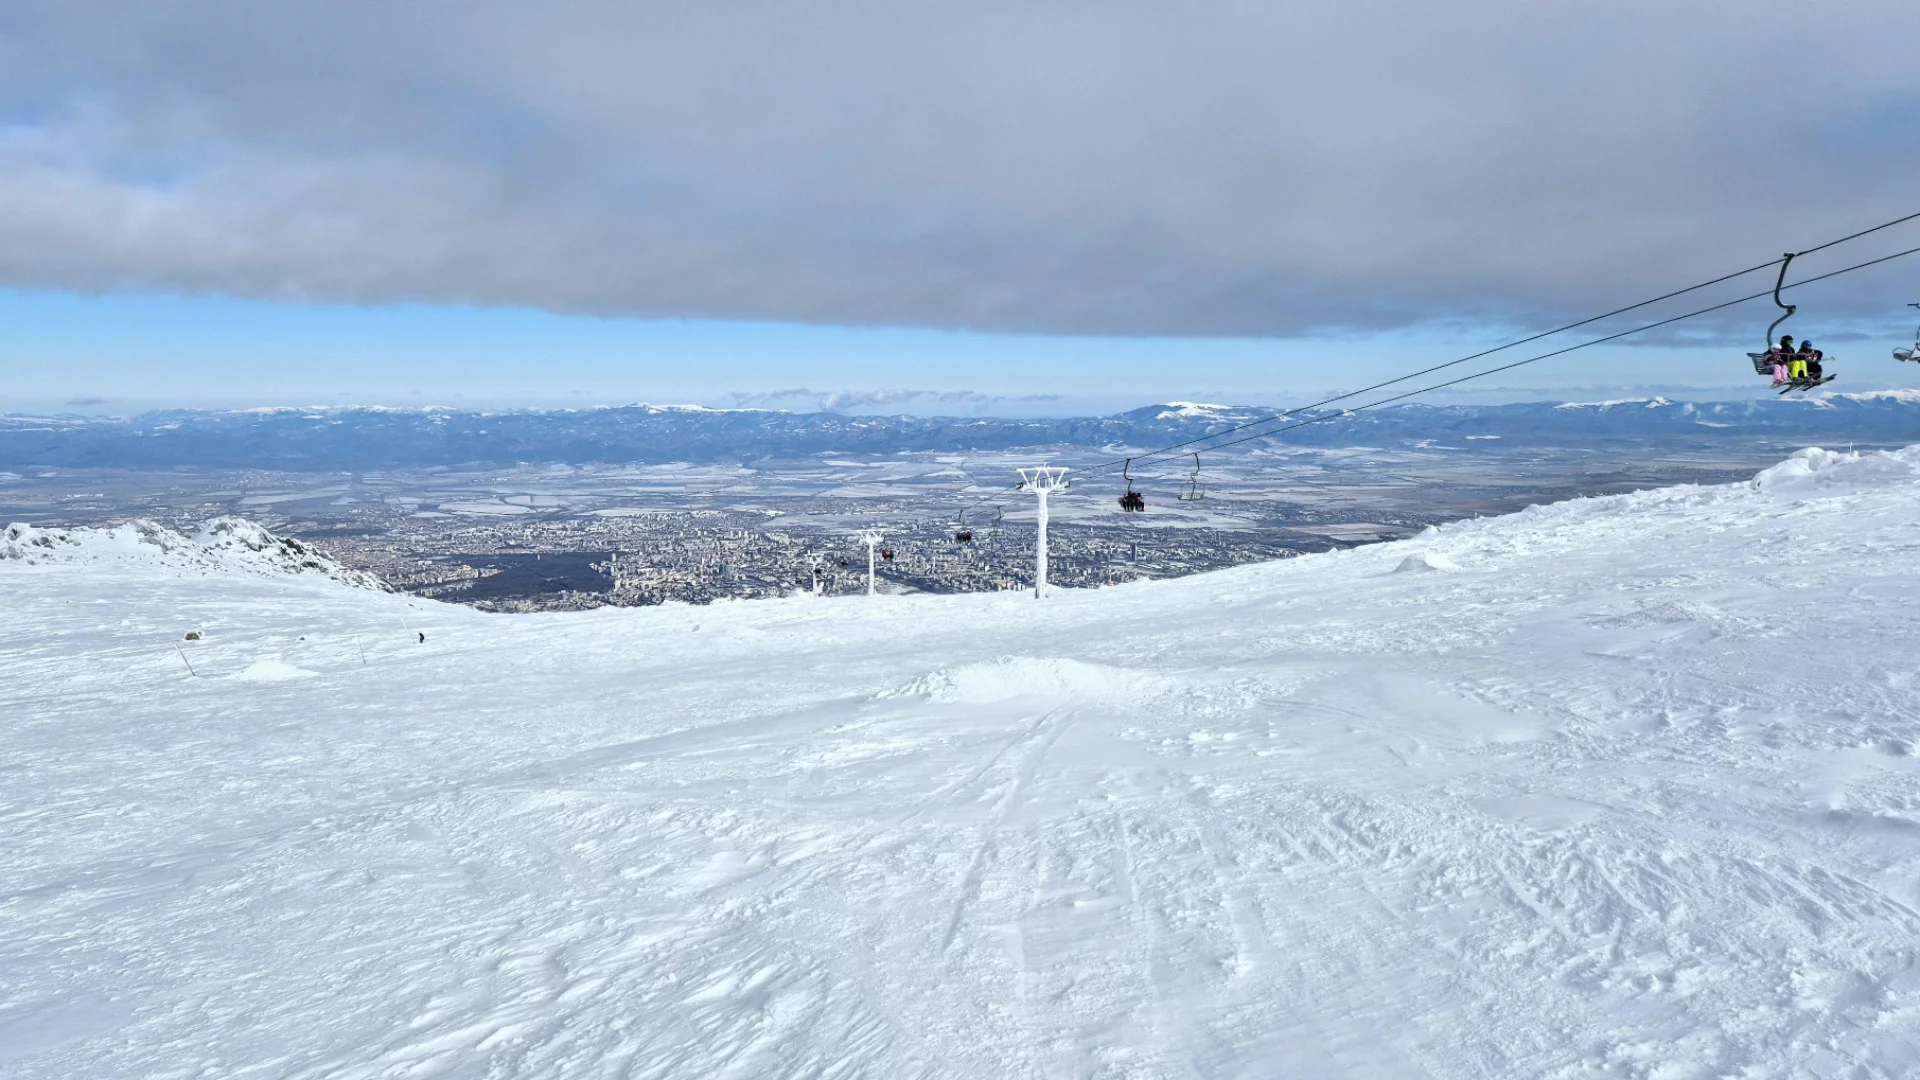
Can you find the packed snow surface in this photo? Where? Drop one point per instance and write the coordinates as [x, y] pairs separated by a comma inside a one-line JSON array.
[[1616, 787]]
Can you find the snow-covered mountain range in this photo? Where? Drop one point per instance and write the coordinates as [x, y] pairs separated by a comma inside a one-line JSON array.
[[322, 439], [1621, 786]]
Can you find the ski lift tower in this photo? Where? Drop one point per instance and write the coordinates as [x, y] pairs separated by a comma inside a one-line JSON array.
[[1042, 480], [870, 538]]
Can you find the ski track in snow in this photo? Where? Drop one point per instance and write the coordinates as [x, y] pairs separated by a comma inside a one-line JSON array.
[[1621, 787]]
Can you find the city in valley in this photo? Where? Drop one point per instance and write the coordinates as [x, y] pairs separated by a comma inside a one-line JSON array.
[[567, 537]]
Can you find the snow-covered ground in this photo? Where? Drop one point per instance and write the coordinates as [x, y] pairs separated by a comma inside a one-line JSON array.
[[1617, 787]]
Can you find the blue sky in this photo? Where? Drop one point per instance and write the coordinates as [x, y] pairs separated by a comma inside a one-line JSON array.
[[124, 353], [131, 352]]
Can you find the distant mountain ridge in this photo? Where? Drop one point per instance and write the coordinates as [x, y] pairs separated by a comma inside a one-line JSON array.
[[359, 438]]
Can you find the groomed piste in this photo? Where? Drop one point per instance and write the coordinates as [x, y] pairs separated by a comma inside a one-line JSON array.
[[1616, 787]]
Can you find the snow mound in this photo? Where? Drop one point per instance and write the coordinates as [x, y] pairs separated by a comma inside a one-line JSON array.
[[1425, 561], [1012, 677], [1816, 470], [223, 545]]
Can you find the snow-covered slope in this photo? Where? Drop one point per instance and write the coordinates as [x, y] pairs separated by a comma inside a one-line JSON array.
[[221, 546], [1617, 787]]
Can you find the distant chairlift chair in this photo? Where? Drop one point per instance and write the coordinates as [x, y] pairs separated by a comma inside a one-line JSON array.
[[1194, 492], [1914, 352], [1132, 502]]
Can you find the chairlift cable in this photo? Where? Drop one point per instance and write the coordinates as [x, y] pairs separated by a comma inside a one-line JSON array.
[[1106, 466], [1858, 235], [1560, 352], [1285, 414], [1289, 413], [1532, 359]]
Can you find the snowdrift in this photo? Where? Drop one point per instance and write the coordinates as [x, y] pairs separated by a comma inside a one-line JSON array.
[[1619, 787], [1817, 470]]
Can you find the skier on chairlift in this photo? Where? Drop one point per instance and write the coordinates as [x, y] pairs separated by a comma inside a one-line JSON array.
[[1797, 365], [1781, 357], [1813, 358]]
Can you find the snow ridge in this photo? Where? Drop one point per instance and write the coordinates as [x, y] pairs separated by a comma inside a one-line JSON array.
[[223, 545]]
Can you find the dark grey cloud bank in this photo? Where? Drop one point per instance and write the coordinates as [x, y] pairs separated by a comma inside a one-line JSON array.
[[1113, 167]]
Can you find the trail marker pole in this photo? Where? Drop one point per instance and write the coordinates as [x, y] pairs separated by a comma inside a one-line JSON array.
[[1042, 480], [184, 660], [870, 538]]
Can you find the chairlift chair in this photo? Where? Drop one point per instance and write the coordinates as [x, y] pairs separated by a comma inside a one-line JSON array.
[[1763, 362], [963, 533], [1914, 352], [993, 527], [1194, 492], [1132, 502]]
